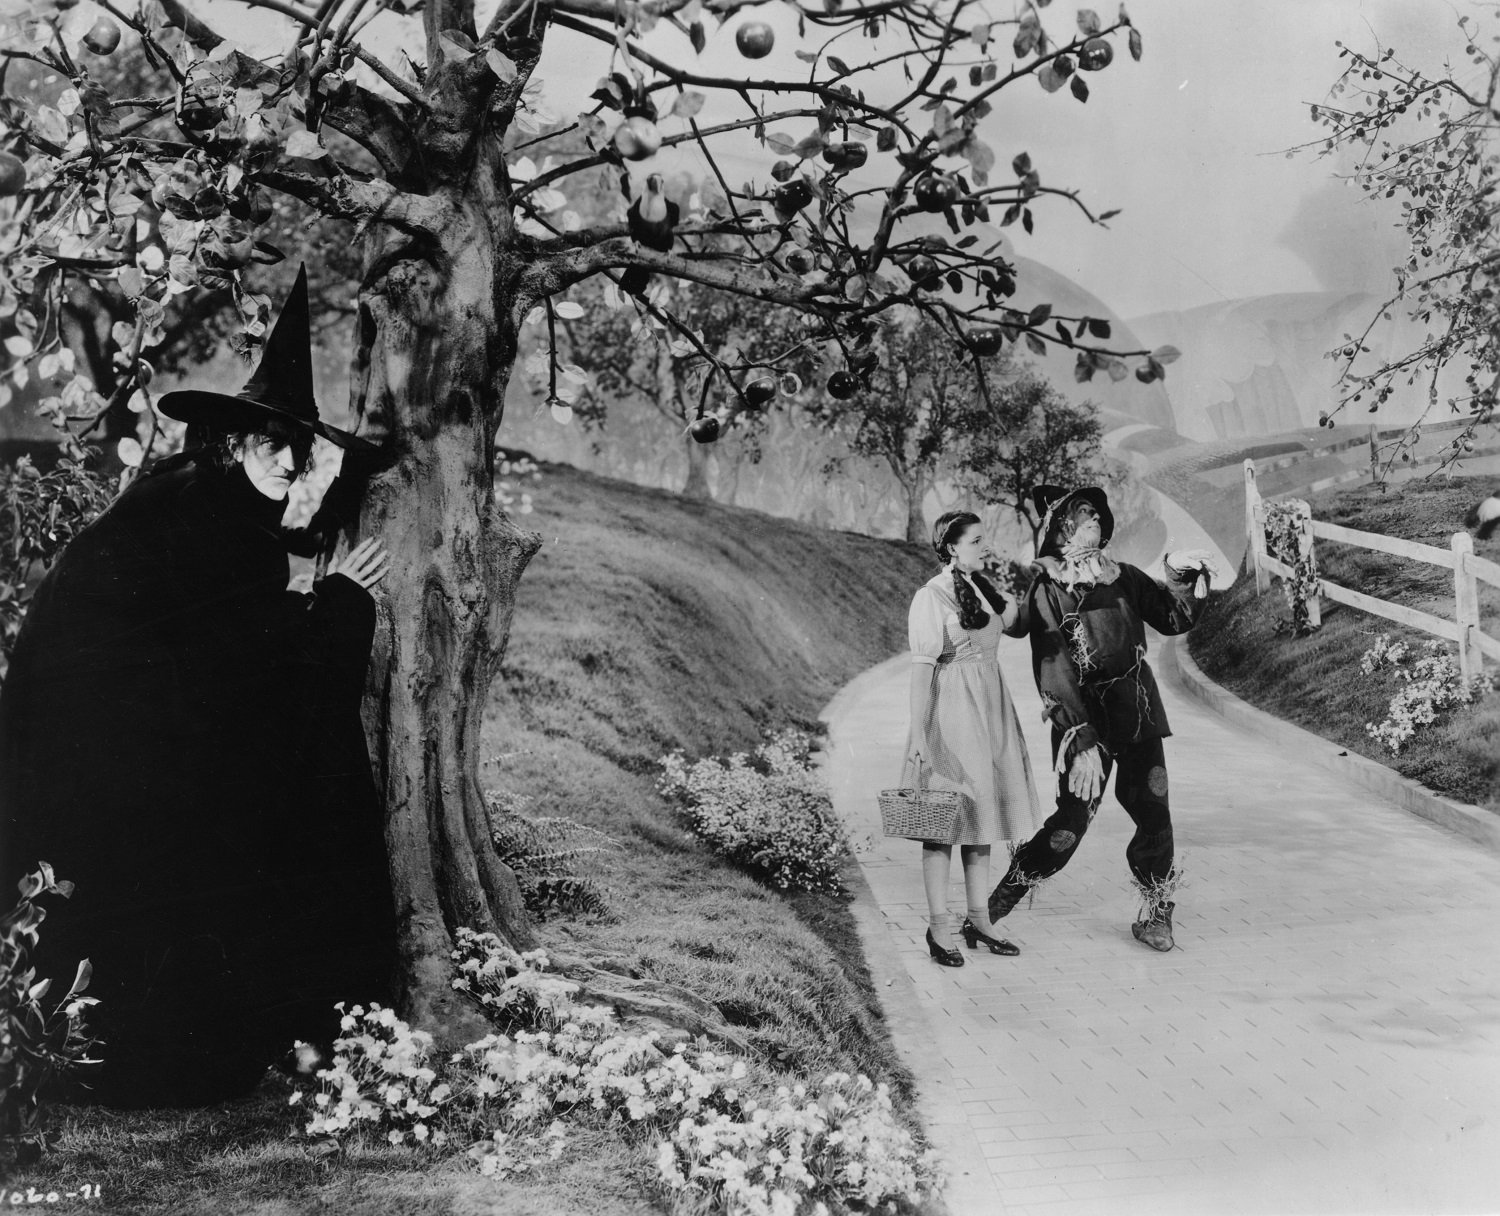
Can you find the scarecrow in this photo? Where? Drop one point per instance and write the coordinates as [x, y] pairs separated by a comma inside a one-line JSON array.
[[1088, 645]]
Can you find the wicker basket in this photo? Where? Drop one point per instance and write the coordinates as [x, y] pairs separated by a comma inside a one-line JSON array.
[[920, 813]]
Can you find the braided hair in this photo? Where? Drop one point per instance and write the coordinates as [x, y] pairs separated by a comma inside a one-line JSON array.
[[948, 527]]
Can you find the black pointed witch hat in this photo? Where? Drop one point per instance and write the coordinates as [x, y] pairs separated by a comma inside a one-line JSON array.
[[280, 389], [1053, 503]]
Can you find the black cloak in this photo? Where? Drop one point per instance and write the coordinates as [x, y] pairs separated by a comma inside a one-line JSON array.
[[180, 737]]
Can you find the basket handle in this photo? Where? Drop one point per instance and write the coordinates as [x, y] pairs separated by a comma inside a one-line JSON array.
[[921, 785]]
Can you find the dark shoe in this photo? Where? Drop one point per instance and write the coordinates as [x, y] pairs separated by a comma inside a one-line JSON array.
[[1156, 930], [945, 958], [997, 945]]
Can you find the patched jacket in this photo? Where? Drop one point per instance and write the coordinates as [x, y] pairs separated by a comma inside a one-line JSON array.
[[1088, 653]]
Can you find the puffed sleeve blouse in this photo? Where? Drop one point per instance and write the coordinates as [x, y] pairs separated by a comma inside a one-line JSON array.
[[932, 622], [933, 632]]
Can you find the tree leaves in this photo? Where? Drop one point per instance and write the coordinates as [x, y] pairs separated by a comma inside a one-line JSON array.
[[456, 46], [1028, 36], [305, 145], [502, 65], [1080, 88], [688, 104]]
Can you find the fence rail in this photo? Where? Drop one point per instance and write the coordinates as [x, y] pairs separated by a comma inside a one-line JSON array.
[[1469, 569], [1375, 439]]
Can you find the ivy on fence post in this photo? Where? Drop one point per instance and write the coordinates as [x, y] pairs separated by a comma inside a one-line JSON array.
[[1289, 539]]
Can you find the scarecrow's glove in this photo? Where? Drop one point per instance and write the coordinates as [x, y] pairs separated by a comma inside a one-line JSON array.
[[1192, 565], [1086, 774]]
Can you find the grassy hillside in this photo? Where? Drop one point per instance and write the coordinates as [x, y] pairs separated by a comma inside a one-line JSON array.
[[1316, 681], [646, 623], [649, 622]]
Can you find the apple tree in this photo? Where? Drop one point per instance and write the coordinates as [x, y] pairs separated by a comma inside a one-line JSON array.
[[421, 124], [1426, 139]]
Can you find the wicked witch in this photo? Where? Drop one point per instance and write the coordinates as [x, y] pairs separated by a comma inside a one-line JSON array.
[[1088, 614], [180, 738]]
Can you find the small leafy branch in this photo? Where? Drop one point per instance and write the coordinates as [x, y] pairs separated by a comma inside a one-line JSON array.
[[769, 812], [1425, 139], [39, 514], [1428, 687], [1284, 542], [543, 851], [36, 1047]]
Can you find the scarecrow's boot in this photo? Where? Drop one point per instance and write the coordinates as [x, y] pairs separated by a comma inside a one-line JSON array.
[[1156, 929], [1008, 894]]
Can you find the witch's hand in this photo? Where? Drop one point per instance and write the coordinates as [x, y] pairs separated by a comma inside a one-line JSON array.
[[366, 564]]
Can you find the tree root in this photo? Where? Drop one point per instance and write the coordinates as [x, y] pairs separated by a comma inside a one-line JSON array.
[[677, 1013]]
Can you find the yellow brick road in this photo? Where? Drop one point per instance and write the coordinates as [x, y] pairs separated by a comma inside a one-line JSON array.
[[1326, 1037]]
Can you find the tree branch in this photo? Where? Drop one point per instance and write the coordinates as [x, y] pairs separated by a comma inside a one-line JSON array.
[[563, 270], [381, 126], [678, 76]]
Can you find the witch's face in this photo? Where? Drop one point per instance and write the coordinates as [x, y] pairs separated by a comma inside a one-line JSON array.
[[269, 463]]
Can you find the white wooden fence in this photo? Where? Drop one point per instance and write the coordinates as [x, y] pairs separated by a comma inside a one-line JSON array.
[[1469, 570]]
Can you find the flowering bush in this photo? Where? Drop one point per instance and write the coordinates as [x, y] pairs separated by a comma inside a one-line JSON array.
[[510, 470], [384, 1076], [770, 813], [35, 1046], [1428, 687], [511, 1095], [800, 1152]]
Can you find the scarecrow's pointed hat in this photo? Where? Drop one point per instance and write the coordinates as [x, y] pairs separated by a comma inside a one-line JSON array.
[[1053, 503], [280, 389]]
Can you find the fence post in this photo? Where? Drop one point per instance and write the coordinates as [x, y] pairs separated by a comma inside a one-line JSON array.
[[1374, 454], [1305, 553], [1466, 607], [1255, 530]]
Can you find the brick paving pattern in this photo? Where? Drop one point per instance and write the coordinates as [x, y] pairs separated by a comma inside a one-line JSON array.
[[1326, 1037]]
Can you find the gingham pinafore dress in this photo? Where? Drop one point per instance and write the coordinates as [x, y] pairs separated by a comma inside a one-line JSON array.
[[974, 731]]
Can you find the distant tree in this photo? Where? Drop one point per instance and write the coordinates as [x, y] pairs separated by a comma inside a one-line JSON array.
[[1027, 434], [1429, 140], [631, 353], [909, 405]]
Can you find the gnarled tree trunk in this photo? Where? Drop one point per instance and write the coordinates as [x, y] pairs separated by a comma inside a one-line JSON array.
[[432, 336]]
